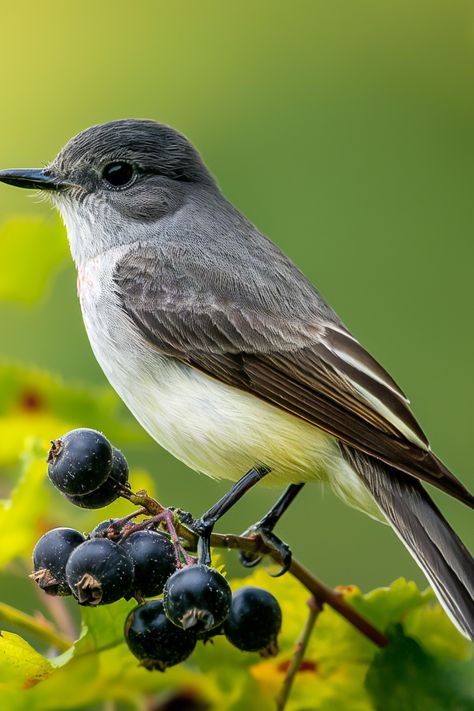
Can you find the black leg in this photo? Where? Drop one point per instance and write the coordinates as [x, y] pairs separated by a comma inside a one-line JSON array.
[[203, 526], [264, 529]]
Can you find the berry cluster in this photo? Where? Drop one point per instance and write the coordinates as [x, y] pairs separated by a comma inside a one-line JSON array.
[[121, 558]]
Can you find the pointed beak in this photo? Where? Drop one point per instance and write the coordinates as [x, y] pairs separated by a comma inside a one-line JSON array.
[[39, 179]]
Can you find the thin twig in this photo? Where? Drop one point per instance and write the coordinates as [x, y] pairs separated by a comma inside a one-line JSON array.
[[297, 659], [41, 629], [320, 591]]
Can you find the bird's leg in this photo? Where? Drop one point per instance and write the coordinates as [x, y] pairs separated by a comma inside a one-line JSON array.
[[264, 530], [203, 526]]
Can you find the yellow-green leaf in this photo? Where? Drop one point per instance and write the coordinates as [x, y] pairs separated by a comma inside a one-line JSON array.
[[21, 667], [20, 515], [36, 403]]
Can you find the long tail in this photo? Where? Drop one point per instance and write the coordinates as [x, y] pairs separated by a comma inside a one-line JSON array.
[[418, 522]]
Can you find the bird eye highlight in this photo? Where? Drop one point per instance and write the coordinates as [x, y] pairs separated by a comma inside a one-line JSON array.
[[118, 174]]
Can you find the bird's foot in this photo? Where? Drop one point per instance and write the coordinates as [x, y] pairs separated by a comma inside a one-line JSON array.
[[270, 540]]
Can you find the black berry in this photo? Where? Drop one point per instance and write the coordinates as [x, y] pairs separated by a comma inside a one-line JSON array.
[[107, 492], [254, 621], [50, 556], [79, 461], [156, 641], [197, 597], [99, 571], [154, 559]]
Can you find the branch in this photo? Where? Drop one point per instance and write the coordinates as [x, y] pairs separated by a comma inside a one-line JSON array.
[[320, 591], [301, 646]]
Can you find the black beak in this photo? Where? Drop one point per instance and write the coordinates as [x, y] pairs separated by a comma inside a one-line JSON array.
[[39, 179]]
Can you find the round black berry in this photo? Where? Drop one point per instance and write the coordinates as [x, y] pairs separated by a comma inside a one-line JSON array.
[[154, 559], [254, 621], [50, 555], [99, 571], [79, 461], [156, 641], [107, 492], [197, 597]]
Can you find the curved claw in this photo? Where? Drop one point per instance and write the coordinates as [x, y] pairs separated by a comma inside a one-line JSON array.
[[249, 560], [283, 549]]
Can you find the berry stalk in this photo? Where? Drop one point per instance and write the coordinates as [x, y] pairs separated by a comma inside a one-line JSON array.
[[320, 591]]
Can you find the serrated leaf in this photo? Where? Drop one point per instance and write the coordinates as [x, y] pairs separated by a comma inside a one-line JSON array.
[[21, 667], [32, 250], [387, 605]]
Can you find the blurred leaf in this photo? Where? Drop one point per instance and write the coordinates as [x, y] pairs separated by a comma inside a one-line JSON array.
[[17, 429], [403, 676], [102, 627], [430, 626], [21, 667], [36, 403], [21, 514], [32, 250]]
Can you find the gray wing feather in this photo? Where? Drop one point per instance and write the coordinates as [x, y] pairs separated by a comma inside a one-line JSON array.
[[264, 328]]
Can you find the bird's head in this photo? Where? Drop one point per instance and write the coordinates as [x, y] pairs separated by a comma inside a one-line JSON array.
[[111, 181]]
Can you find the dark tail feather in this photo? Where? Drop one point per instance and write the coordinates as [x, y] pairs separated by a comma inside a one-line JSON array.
[[418, 522]]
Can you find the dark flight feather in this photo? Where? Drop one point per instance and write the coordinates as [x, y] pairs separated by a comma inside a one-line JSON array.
[[445, 560]]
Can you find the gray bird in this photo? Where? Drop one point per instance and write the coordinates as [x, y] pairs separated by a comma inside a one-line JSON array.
[[227, 355]]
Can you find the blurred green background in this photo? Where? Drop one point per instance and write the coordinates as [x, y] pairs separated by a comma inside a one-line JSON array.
[[344, 130]]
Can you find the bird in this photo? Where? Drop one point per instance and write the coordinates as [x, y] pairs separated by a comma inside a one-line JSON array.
[[226, 353]]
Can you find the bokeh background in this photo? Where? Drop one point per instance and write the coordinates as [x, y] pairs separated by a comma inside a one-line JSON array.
[[345, 132]]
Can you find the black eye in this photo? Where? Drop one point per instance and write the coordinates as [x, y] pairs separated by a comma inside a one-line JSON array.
[[118, 174]]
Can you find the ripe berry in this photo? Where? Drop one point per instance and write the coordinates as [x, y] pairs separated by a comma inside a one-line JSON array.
[[99, 571], [79, 461], [50, 556], [254, 621], [197, 597], [154, 558], [156, 641], [107, 492]]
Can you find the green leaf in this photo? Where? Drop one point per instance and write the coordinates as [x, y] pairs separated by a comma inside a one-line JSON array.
[[20, 515], [384, 606], [21, 667], [32, 250], [434, 631], [404, 676]]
